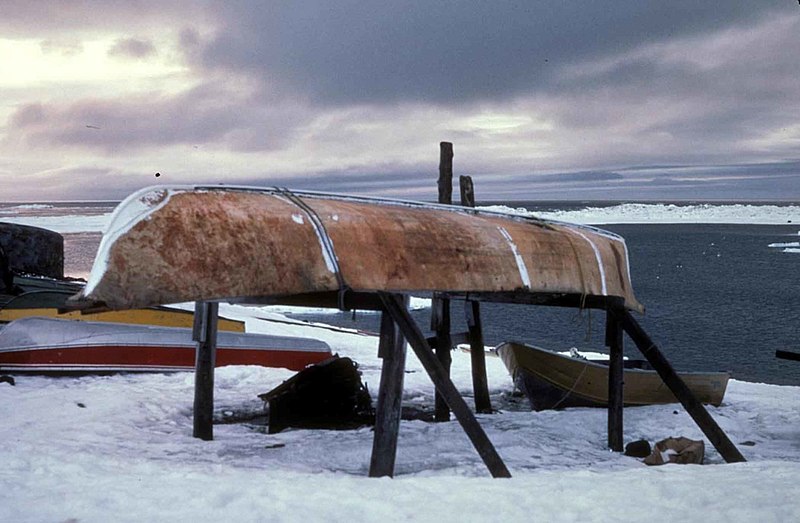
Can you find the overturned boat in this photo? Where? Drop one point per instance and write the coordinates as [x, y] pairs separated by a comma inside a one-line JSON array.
[[47, 345], [555, 381]]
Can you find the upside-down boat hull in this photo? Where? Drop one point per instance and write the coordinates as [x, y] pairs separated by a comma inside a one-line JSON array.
[[551, 380], [45, 345], [177, 244]]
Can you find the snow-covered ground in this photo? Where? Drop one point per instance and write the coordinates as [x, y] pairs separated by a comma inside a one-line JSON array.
[[119, 448]]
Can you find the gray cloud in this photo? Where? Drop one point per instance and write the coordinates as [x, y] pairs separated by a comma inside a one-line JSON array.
[[132, 48], [210, 113], [447, 52], [55, 18]]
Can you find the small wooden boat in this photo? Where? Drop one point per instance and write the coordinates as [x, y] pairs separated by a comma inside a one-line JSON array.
[[47, 345], [43, 296], [555, 381]]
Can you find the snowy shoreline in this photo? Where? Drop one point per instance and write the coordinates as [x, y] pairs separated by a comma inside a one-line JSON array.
[[120, 447]]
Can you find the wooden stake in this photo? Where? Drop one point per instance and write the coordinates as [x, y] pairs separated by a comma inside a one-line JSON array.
[[614, 341], [440, 319], [480, 383], [445, 173], [394, 306], [392, 348], [444, 344], [713, 432], [205, 334], [472, 309]]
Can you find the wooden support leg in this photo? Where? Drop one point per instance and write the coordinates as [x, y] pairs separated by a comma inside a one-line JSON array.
[[409, 329], [205, 334], [444, 344], [713, 432], [392, 348], [614, 341], [480, 383]]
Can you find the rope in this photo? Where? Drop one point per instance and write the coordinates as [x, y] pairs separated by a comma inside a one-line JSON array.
[[574, 385], [325, 240]]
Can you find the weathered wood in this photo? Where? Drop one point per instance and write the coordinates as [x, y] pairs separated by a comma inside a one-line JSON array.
[[648, 348], [444, 344], [438, 375], [440, 316], [445, 172], [614, 342], [787, 355], [467, 191], [480, 383], [205, 334], [392, 348]]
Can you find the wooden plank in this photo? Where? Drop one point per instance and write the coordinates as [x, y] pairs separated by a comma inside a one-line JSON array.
[[438, 375], [480, 382], [648, 348], [614, 341], [205, 334], [392, 348]]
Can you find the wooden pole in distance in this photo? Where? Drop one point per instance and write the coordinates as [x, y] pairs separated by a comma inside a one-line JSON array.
[[205, 334], [392, 349], [445, 172], [699, 414], [614, 342], [394, 306], [472, 309], [440, 310]]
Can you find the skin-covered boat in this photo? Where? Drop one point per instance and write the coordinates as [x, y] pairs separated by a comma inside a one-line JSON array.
[[171, 244], [47, 345], [553, 381]]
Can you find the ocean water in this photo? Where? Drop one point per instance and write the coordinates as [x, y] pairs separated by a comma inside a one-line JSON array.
[[719, 296]]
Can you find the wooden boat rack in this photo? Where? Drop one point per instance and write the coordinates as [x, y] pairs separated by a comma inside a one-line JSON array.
[[269, 246]]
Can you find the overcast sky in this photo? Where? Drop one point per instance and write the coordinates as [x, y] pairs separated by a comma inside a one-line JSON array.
[[628, 99]]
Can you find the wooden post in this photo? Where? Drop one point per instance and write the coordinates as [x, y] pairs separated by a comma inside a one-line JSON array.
[[444, 344], [713, 432], [445, 173], [409, 329], [205, 334], [472, 309], [392, 348], [467, 191], [614, 342], [440, 309]]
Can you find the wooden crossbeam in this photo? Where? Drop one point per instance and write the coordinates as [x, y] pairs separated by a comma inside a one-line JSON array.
[[410, 330]]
